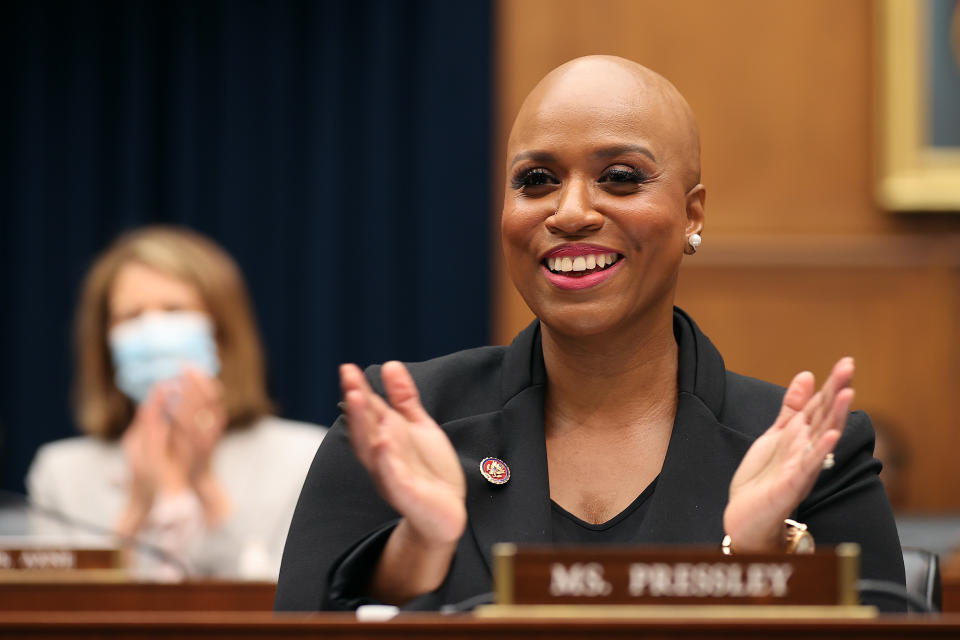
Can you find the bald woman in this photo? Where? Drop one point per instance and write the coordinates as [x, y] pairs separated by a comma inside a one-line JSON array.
[[610, 419]]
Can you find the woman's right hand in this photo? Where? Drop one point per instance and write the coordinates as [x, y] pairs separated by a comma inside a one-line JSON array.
[[145, 446], [417, 471], [411, 460]]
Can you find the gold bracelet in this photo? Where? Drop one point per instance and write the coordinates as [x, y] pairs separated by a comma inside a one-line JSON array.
[[796, 539]]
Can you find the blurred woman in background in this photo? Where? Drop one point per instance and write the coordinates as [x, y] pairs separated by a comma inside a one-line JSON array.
[[181, 451]]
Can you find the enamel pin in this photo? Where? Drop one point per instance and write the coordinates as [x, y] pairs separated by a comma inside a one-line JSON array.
[[495, 470]]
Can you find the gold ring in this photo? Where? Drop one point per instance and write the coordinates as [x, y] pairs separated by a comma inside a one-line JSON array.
[[828, 461]]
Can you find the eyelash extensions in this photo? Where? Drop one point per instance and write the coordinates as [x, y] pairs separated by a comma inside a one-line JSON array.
[[624, 175], [539, 176], [531, 177]]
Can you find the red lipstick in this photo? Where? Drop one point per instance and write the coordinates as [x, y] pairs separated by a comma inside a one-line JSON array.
[[584, 278], [578, 249]]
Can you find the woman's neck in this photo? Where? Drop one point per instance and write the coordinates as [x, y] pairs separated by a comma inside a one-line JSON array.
[[622, 379]]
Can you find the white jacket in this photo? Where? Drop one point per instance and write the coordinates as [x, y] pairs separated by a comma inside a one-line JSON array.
[[261, 468]]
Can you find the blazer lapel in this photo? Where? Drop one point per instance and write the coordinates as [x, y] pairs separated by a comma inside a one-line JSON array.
[[703, 454], [518, 511], [687, 506]]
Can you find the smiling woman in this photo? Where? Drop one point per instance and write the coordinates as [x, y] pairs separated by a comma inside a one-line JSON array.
[[583, 169], [612, 414]]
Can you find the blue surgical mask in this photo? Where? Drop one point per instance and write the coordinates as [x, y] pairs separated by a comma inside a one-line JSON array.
[[157, 346]]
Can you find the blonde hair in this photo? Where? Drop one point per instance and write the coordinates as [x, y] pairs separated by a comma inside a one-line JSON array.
[[101, 409]]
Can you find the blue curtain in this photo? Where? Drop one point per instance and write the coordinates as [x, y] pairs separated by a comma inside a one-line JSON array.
[[338, 150]]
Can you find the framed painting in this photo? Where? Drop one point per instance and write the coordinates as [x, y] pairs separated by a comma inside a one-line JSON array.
[[919, 123]]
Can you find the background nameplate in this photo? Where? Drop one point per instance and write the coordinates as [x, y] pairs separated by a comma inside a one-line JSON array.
[[58, 559]]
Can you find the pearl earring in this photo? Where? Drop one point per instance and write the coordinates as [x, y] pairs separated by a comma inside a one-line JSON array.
[[694, 241]]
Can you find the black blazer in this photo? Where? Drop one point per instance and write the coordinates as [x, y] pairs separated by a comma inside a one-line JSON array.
[[490, 403]]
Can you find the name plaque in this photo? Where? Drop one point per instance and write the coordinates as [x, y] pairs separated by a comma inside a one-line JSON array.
[[673, 576], [58, 559]]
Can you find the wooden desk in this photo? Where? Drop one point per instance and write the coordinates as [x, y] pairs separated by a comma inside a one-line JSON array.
[[951, 593], [214, 610], [136, 596], [213, 626]]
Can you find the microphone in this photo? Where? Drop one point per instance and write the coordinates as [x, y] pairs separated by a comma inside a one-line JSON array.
[[133, 542]]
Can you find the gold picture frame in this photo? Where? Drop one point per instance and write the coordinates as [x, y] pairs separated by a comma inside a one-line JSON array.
[[914, 175]]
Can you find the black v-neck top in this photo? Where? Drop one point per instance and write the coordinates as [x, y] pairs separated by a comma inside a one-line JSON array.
[[623, 528]]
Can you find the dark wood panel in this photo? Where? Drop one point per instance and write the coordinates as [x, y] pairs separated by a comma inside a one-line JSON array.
[[951, 596], [126, 596], [951, 592], [333, 626]]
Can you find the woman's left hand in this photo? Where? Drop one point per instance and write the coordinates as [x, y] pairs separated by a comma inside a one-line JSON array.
[[782, 465], [198, 419], [196, 413]]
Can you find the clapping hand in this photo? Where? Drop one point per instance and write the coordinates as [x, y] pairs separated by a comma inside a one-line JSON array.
[[417, 471], [782, 465], [145, 446], [411, 460], [194, 407], [169, 447]]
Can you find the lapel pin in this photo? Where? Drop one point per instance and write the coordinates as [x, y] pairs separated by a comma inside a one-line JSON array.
[[495, 470]]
